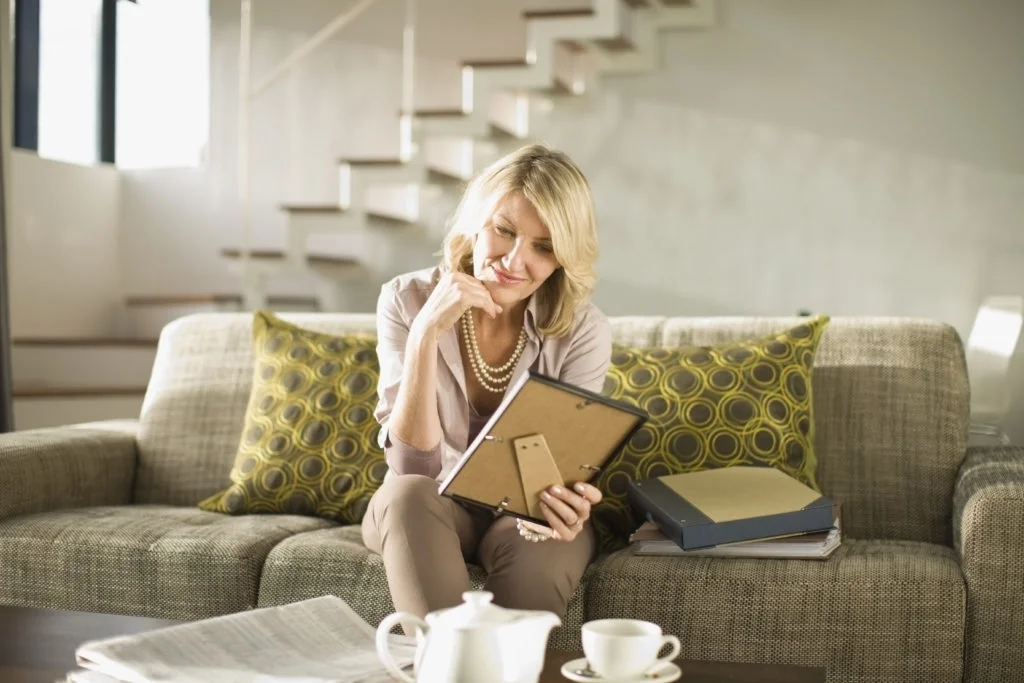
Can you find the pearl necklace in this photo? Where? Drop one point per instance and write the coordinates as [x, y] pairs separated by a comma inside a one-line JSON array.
[[490, 378]]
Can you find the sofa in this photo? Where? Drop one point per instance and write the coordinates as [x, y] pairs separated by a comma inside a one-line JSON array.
[[928, 584]]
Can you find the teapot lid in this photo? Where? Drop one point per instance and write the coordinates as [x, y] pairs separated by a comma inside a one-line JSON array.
[[475, 611]]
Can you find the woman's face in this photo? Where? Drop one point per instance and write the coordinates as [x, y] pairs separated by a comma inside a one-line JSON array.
[[513, 255]]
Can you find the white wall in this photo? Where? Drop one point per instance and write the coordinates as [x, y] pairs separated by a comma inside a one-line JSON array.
[[62, 237], [854, 157], [863, 158]]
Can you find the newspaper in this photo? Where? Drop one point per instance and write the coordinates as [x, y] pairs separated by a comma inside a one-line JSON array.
[[321, 640]]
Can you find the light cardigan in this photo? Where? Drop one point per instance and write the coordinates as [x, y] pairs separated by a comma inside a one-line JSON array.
[[581, 358]]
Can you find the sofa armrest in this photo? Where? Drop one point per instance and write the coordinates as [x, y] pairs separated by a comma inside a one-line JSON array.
[[62, 467], [988, 533]]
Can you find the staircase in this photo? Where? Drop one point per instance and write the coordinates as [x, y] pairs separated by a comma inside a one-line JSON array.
[[567, 50], [382, 204]]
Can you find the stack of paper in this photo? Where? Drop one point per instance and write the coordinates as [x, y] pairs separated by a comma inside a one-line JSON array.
[[648, 540], [321, 640]]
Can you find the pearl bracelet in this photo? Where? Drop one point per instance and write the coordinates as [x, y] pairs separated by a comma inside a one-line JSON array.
[[532, 536]]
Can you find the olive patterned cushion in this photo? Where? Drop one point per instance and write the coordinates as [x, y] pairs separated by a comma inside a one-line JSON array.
[[739, 403], [309, 442]]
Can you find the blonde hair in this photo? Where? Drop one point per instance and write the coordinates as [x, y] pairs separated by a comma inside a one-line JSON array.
[[559, 192]]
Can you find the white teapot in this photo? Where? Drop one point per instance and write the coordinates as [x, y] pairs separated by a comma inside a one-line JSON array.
[[475, 642]]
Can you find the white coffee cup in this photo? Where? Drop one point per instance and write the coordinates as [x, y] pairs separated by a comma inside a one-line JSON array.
[[618, 649]]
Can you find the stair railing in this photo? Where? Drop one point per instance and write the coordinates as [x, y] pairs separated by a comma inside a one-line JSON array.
[[247, 95]]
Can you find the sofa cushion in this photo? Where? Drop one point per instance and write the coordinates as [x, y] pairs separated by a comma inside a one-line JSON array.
[[874, 611], [196, 401], [747, 402], [309, 440], [157, 561], [334, 561]]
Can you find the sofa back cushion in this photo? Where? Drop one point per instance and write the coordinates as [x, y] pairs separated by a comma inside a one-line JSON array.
[[194, 409], [891, 411], [891, 408]]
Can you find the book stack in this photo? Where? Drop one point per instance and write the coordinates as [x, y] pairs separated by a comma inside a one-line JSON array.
[[736, 511]]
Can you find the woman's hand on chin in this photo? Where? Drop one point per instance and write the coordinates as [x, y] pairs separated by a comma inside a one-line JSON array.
[[454, 294]]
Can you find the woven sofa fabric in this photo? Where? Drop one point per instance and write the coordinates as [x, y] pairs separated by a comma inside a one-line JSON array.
[[891, 410], [988, 525], [173, 563], [875, 611], [335, 562], [194, 409], [636, 330], [61, 467]]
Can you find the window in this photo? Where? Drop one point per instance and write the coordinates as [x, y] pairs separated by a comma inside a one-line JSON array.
[[69, 80], [163, 83], [102, 80]]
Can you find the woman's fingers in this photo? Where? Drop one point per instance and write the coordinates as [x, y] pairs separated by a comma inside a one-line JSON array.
[[588, 491], [561, 530], [481, 298], [571, 507]]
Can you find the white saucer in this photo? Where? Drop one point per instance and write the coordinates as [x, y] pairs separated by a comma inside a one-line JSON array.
[[667, 673]]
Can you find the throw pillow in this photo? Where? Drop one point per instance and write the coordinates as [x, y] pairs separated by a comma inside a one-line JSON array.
[[741, 403], [309, 442]]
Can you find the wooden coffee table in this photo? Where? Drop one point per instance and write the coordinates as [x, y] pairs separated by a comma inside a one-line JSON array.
[[38, 646]]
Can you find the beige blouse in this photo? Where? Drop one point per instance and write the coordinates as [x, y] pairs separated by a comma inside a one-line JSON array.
[[580, 358]]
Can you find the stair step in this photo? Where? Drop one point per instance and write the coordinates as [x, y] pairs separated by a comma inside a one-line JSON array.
[[619, 44], [574, 46], [81, 364], [29, 391], [278, 255], [558, 88], [83, 341], [558, 13], [37, 410], [144, 316], [495, 63], [313, 208], [436, 175], [640, 3], [385, 161], [676, 3], [436, 113], [236, 299], [387, 219]]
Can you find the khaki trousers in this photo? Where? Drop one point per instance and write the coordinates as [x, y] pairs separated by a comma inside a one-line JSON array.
[[425, 540]]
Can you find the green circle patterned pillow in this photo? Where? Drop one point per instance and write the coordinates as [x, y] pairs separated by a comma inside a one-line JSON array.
[[738, 403], [309, 443]]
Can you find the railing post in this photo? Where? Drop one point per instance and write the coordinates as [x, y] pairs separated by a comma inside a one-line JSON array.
[[408, 80], [244, 78]]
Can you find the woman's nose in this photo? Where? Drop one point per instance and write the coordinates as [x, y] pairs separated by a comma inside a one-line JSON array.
[[514, 258]]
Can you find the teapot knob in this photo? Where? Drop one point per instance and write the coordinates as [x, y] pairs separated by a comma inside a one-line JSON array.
[[478, 599]]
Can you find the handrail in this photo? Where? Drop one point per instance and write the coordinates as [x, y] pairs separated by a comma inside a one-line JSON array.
[[246, 95], [321, 36]]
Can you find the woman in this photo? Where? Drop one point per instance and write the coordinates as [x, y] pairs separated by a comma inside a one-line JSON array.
[[511, 295]]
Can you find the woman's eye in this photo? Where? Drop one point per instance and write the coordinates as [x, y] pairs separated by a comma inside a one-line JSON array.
[[504, 232], [545, 248]]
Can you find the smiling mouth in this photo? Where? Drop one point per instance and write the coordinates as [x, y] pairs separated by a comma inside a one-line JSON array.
[[504, 278]]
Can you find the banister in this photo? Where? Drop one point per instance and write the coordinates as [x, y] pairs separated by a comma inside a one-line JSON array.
[[321, 36]]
